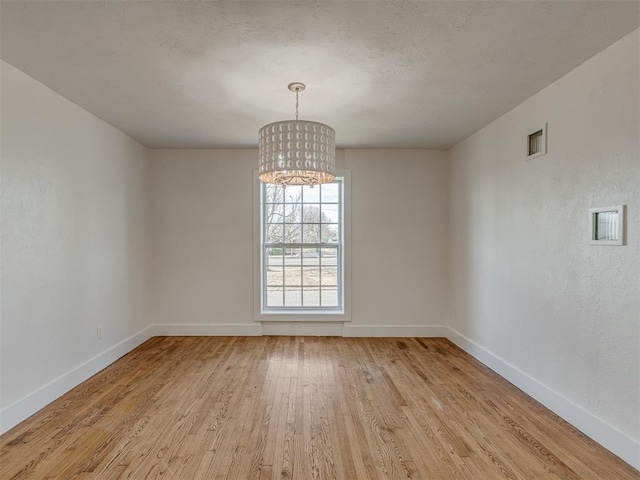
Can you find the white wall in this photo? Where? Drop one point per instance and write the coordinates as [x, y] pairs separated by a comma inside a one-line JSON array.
[[202, 270], [203, 253], [399, 239], [75, 216], [529, 295]]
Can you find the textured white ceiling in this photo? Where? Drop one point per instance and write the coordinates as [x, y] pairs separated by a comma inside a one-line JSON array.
[[383, 74]]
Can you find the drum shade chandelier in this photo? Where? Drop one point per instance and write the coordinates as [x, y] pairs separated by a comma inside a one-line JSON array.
[[297, 152]]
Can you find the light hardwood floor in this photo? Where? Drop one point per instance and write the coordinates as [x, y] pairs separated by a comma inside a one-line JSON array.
[[300, 408]]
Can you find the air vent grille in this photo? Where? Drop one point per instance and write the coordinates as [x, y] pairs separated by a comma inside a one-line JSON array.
[[537, 142]]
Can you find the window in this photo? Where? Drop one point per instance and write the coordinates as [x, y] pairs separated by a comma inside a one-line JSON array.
[[302, 248]]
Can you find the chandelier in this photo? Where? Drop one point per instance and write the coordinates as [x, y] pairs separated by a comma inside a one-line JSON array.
[[297, 152]]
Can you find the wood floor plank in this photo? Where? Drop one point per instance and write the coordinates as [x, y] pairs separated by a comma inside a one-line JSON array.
[[301, 408]]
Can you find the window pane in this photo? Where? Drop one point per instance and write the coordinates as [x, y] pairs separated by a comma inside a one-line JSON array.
[[310, 276], [293, 233], [311, 296], [329, 276], [273, 194], [310, 194], [293, 213], [329, 297], [273, 212], [274, 297], [329, 233], [293, 194], [273, 233], [329, 256], [330, 213], [293, 297], [330, 193], [274, 257], [292, 256], [311, 213], [311, 233], [275, 276], [310, 256], [293, 276]]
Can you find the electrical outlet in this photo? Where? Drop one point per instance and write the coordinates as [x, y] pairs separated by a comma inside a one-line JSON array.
[[295, 324], [99, 333]]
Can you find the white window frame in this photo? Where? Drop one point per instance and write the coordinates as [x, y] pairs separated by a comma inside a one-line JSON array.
[[311, 314]]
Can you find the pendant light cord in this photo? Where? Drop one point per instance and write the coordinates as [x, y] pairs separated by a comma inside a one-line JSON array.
[[297, 92]]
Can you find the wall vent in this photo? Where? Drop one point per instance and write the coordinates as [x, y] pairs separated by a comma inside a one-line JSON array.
[[537, 142], [607, 225]]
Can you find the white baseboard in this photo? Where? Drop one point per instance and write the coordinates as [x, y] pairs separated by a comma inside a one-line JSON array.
[[21, 409], [208, 330], [395, 331], [311, 329], [606, 435], [305, 328]]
